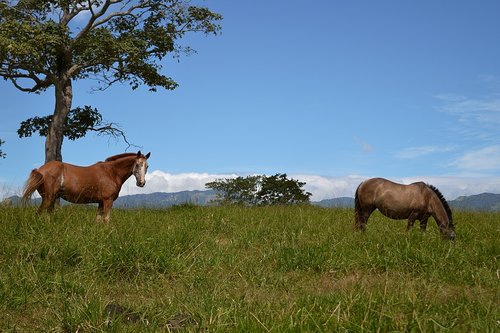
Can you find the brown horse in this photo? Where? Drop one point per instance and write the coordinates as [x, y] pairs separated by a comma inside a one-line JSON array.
[[99, 183], [417, 201]]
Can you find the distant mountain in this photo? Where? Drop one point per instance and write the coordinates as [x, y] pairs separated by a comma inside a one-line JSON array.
[[483, 202], [151, 200], [342, 202], [479, 202], [163, 200]]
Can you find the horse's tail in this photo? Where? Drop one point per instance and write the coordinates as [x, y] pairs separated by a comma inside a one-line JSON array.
[[357, 204], [34, 181], [357, 208]]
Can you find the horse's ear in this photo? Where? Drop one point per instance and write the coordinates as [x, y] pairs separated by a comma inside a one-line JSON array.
[[147, 155], [139, 153]]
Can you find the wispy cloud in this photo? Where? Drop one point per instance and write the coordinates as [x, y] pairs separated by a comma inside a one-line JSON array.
[[367, 147], [484, 159], [416, 152], [471, 107], [477, 118]]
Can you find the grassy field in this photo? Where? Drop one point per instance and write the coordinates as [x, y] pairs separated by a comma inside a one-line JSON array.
[[225, 269]]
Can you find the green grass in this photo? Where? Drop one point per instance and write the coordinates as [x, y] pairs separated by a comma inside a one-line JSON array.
[[267, 269]]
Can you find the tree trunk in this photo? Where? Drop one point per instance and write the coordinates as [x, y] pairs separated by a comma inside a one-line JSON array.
[[55, 137]]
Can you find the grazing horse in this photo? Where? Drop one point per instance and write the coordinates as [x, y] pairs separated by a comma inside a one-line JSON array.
[[417, 201], [99, 183]]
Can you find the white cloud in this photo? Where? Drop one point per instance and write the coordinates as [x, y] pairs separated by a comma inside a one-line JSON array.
[[329, 187], [8, 190], [477, 118], [321, 187], [485, 159], [415, 152], [159, 181], [470, 107], [453, 187], [451, 98], [367, 147]]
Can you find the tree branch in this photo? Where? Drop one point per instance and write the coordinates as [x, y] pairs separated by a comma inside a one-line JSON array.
[[122, 13], [93, 17], [112, 130], [39, 83]]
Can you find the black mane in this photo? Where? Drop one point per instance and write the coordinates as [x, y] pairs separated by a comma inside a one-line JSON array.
[[443, 201]]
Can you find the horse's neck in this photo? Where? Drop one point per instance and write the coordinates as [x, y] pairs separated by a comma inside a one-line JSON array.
[[439, 210], [123, 167]]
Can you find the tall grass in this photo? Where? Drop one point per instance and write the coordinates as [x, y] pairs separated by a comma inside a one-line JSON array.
[[219, 269]]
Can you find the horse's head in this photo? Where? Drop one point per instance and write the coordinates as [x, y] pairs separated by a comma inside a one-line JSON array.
[[140, 168], [448, 234]]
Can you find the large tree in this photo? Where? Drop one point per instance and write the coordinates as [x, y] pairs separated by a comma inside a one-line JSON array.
[[260, 190], [49, 43]]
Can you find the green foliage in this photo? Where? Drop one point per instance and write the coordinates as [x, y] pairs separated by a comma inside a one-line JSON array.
[[78, 123], [260, 190], [237, 269], [43, 42], [279, 190], [2, 154], [240, 190]]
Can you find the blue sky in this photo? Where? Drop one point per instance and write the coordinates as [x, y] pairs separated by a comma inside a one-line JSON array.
[[329, 92]]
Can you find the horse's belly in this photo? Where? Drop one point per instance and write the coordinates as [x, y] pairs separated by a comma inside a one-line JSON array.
[[396, 210], [80, 196], [395, 214]]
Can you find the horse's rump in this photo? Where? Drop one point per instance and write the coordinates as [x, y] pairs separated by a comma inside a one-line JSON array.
[[34, 181]]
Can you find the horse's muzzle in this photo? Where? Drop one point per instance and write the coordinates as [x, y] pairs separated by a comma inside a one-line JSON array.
[[141, 184]]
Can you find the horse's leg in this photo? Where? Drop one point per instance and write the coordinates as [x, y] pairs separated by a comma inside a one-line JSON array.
[[411, 221], [48, 192], [410, 224], [107, 204], [47, 204], [423, 224], [100, 212], [362, 216]]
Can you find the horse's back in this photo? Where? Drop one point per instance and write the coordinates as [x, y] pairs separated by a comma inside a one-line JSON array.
[[381, 186], [72, 182], [368, 188], [51, 169], [393, 199]]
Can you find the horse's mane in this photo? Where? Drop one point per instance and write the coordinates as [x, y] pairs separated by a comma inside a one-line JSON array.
[[443, 201], [116, 157]]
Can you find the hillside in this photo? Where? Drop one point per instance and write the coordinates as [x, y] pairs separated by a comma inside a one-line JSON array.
[[488, 202], [342, 202], [480, 202], [235, 269], [162, 200]]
